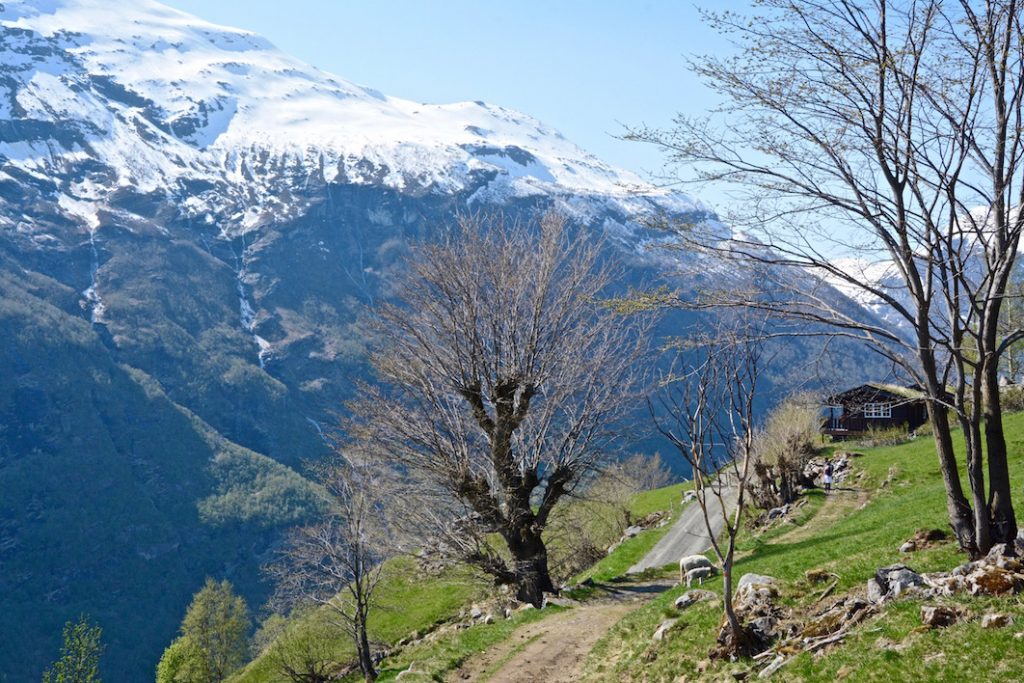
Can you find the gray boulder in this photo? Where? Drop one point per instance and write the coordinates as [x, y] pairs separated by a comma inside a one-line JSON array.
[[875, 592], [664, 628], [754, 589], [897, 579], [754, 580]]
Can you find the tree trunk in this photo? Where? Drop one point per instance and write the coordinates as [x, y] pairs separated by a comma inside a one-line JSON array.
[[530, 558], [365, 656], [1000, 506], [959, 510], [737, 639], [976, 478]]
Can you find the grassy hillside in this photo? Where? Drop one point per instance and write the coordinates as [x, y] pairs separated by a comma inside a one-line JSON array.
[[852, 534], [411, 603], [893, 492]]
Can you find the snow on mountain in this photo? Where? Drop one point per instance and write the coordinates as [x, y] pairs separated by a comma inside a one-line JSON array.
[[877, 274], [160, 98]]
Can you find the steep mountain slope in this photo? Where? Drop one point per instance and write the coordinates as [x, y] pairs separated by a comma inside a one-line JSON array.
[[191, 225]]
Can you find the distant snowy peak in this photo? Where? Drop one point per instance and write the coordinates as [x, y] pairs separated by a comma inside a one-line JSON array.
[[162, 96], [881, 275]]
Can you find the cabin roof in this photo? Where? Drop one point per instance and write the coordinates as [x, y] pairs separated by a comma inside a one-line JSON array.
[[880, 390]]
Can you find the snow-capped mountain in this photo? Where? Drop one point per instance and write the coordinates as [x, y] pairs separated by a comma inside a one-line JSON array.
[[161, 98], [191, 226]]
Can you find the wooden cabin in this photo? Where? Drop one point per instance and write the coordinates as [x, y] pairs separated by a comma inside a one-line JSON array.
[[873, 406]]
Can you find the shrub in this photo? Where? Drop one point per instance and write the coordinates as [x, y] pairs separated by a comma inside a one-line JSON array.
[[782, 449]]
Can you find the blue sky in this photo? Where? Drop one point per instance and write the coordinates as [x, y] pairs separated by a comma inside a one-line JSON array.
[[584, 67]]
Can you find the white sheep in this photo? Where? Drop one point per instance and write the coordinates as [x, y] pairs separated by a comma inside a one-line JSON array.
[[692, 562], [698, 574]]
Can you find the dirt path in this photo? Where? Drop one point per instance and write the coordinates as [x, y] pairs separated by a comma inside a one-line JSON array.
[[842, 501], [553, 650]]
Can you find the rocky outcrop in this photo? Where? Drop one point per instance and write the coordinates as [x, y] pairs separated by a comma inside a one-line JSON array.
[[997, 574], [893, 581]]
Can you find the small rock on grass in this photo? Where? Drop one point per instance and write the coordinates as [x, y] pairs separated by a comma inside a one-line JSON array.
[[690, 598], [817, 576], [875, 593], [664, 629], [939, 616], [996, 620]]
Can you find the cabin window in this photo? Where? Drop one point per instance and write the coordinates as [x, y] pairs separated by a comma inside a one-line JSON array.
[[877, 410]]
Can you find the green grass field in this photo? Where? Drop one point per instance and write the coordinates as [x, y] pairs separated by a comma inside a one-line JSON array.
[[852, 534]]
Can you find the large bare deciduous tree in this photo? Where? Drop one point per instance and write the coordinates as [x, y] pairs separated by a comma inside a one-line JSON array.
[[502, 378], [881, 136]]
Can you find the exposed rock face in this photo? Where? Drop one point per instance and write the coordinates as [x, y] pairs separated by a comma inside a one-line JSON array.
[[994, 575]]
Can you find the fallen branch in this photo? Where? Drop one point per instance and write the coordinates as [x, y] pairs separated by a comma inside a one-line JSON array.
[[828, 591], [810, 645]]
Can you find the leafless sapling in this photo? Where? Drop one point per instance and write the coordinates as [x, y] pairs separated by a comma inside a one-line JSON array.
[[706, 410], [336, 563]]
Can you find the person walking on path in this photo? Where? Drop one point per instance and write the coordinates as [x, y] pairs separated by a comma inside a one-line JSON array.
[[828, 476]]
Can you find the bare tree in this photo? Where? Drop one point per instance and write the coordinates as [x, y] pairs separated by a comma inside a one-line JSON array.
[[707, 412], [890, 131], [502, 378], [337, 562]]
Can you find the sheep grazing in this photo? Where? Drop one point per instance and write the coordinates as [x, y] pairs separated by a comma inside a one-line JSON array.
[[698, 574], [692, 562]]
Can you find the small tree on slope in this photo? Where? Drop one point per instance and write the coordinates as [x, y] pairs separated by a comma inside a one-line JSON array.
[[707, 412], [214, 638], [337, 562]]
